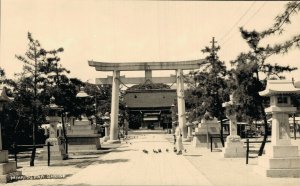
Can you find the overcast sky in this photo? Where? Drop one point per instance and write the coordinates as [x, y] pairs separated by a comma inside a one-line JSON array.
[[135, 31]]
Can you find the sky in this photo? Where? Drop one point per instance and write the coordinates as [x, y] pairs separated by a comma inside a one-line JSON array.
[[136, 31]]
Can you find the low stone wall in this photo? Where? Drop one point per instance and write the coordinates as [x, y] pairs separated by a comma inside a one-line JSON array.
[[80, 142], [200, 140]]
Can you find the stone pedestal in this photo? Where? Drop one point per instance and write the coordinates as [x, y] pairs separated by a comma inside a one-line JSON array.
[[281, 158], [57, 148], [234, 147], [83, 136], [8, 169], [201, 136], [279, 161]]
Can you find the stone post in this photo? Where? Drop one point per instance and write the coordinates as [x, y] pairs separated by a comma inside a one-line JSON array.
[[232, 125], [181, 103], [106, 128], [114, 108]]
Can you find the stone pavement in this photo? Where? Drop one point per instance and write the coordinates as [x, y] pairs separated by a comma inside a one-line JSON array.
[[129, 165]]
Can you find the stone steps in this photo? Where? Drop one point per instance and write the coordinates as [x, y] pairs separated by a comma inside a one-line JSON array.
[[280, 163], [13, 176], [278, 173], [82, 132], [7, 167]]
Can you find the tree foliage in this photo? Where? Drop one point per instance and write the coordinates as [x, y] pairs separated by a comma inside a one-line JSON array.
[[210, 84], [149, 86], [247, 82]]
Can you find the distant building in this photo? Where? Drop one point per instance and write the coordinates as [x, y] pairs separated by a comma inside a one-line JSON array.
[[153, 105]]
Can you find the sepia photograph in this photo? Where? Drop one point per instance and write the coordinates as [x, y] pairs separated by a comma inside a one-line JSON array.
[[149, 92]]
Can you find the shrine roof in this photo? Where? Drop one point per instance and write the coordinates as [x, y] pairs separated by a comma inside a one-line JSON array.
[[279, 87]]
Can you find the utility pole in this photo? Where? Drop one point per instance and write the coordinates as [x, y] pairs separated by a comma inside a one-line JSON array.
[[217, 100], [213, 49]]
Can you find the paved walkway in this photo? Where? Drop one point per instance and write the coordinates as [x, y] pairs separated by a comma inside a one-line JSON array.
[[129, 165]]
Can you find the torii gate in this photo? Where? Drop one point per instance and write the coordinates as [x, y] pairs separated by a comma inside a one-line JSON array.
[[115, 80]]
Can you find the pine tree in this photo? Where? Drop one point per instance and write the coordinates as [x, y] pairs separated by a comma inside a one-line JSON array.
[[211, 86], [249, 65], [33, 85]]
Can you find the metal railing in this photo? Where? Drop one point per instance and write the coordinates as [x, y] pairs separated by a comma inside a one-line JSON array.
[[16, 147], [248, 148], [215, 136]]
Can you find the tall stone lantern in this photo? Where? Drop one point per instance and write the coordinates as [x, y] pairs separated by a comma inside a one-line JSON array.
[[58, 151], [281, 158], [233, 146], [106, 119], [8, 169]]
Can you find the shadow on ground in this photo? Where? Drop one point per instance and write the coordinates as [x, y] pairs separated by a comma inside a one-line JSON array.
[[192, 155], [84, 162], [123, 150]]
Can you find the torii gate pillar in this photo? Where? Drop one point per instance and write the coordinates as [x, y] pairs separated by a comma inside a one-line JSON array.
[[181, 102], [114, 107]]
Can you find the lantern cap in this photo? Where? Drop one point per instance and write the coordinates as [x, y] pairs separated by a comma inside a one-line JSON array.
[[53, 106], [279, 87], [82, 93]]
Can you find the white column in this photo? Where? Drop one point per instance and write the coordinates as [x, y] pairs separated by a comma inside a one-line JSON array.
[[181, 102], [114, 106]]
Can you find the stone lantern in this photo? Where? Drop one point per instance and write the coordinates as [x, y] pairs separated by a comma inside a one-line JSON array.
[[282, 158], [189, 133], [190, 126], [233, 146], [106, 125], [58, 151], [8, 169]]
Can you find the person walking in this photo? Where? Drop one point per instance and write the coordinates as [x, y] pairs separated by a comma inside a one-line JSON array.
[[179, 145]]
